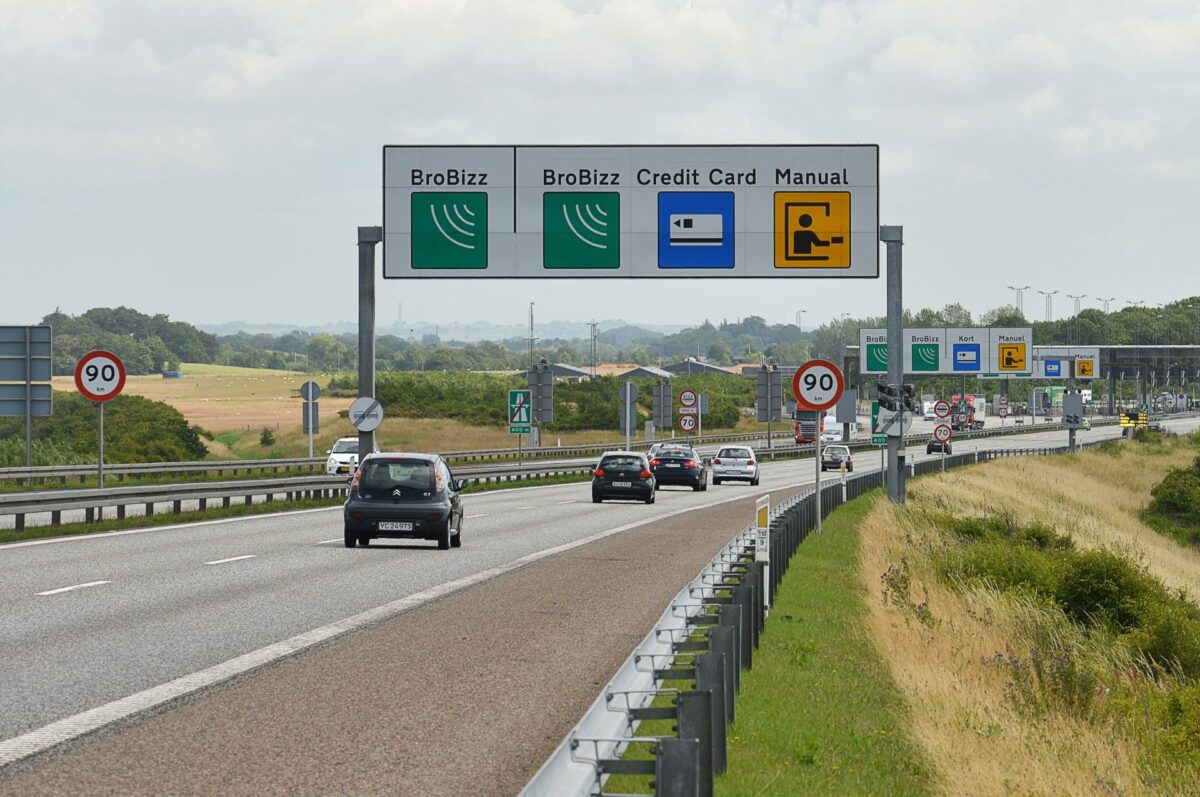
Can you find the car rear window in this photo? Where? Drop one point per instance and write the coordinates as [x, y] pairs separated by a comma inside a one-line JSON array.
[[843, 450], [735, 453], [405, 479], [345, 447], [621, 462], [676, 453]]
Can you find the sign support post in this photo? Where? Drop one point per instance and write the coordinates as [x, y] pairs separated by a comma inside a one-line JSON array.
[[100, 453], [628, 418], [368, 238], [817, 459], [893, 238], [29, 402]]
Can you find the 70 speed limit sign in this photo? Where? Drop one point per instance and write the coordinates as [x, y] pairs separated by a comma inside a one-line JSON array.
[[100, 375], [818, 384]]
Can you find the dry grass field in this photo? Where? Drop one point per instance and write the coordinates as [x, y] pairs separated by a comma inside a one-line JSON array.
[[223, 398], [951, 665]]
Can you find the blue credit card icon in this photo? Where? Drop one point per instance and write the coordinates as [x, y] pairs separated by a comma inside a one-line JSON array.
[[1053, 367], [695, 229], [966, 356]]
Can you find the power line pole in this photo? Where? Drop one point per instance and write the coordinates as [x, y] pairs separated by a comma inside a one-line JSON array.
[[595, 326], [1049, 303]]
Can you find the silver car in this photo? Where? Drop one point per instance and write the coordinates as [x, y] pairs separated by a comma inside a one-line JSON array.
[[735, 463]]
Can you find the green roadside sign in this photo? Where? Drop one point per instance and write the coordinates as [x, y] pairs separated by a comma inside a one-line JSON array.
[[879, 439], [874, 416], [520, 412]]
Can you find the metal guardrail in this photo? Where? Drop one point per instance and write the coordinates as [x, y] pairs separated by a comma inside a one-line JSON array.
[[93, 502], [63, 473], [705, 637]]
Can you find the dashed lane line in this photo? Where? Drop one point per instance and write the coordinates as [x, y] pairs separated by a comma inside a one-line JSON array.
[[74, 587], [231, 559]]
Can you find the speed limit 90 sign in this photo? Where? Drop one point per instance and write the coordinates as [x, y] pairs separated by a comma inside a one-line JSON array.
[[818, 384], [100, 375]]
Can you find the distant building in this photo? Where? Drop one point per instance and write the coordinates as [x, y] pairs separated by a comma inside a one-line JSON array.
[[645, 372], [571, 373], [693, 366]]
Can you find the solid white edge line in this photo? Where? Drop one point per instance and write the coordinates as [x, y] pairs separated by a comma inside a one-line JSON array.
[[335, 539], [48, 736], [77, 586], [231, 559]]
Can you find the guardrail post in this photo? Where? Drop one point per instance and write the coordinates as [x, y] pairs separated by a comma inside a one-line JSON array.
[[695, 721], [712, 675], [722, 641], [677, 768], [730, 616]]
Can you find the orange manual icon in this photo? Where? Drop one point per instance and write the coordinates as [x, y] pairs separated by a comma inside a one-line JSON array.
[[812, 229]]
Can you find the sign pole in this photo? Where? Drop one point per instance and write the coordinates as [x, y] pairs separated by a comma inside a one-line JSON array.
[[699, 418], [100, 455], [628, 420], [368, 237], [308, 406], [817, 459], [29, 404], [893, 238]]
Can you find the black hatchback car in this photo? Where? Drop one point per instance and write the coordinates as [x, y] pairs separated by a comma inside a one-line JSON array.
[[410, 496], [623, 474], [679, 465]]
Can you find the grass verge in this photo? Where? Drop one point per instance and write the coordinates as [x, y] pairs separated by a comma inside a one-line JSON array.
[[1044, 636], [241, 510], [819, 714]]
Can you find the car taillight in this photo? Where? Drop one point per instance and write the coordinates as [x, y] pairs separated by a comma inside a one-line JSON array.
[[750, 462], [693, 463], [654, 463], [354, 481], [718, 462], [599, 473], [646, 474]]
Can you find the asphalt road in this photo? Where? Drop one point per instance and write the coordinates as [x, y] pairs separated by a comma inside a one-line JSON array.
[[91, 620]]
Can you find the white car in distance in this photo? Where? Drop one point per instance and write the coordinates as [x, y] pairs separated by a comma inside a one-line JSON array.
[[343, 457], [735, 463]]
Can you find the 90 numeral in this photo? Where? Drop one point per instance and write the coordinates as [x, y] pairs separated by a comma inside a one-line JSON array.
[[825, 381], [107, 372]]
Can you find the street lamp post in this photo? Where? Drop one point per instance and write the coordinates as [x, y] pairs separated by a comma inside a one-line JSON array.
[[1020, 292], [1049, 303]]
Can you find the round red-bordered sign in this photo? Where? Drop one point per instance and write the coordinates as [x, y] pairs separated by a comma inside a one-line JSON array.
[[818, 384], [942, 433], [100, 375], [687, 398], [942, 409]]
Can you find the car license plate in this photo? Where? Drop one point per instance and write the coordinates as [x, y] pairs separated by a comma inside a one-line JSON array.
[[395, 525], [674, 465], [343, 469], [622, 484]]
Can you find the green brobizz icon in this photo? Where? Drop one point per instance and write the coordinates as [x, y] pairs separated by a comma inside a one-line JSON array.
[[581, 229], [877, 357], [449, 229], [925, 357]]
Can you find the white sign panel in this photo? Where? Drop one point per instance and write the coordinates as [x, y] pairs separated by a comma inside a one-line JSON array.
[[635, 211], [1012, 351], [966, 351]]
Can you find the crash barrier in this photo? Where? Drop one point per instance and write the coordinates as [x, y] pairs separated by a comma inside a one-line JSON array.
[[49, 505], [701, 643], [81, 474]]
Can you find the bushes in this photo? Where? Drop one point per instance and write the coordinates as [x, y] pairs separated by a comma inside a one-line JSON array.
[[482, 399], [135, 430], [1099, 590], [1175, 504]]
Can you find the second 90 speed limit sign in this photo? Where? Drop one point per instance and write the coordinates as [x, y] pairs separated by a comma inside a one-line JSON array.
[[818, 384]]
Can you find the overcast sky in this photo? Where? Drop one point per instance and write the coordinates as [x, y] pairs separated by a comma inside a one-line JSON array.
[[211, 160]]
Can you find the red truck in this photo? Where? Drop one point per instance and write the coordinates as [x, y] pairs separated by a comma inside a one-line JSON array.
[[808, 425]]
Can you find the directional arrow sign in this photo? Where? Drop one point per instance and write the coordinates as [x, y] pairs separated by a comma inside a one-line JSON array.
[[895, 423]]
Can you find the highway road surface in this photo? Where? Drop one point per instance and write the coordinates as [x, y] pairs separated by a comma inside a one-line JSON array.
[[452, 672]]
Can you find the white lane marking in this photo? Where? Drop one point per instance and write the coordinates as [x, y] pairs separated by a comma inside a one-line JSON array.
[[482, 514], [230, 559], [335, 539], [63, 730], [566, 502], [173, 527], [77, 586], [531, 506]]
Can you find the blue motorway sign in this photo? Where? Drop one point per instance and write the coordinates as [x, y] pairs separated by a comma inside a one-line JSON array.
[[695, 229], [966, 357], [1053, 367]]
